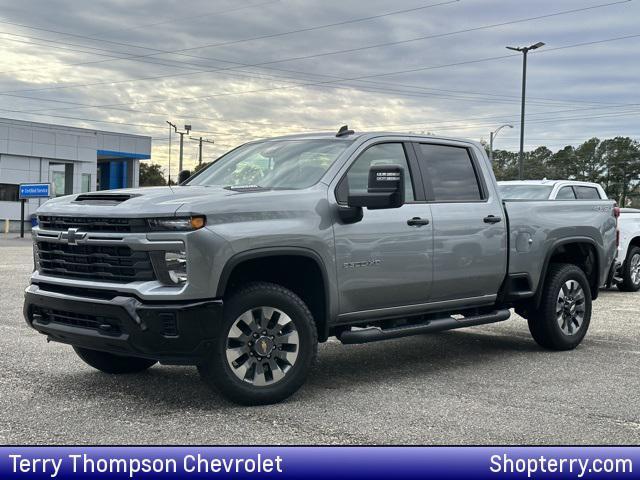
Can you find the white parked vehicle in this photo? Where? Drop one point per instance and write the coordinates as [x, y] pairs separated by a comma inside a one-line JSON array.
[[550, 190], [628, 278]]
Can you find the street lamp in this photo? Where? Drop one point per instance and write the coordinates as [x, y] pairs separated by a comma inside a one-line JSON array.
[[492, 136], [524, 51]]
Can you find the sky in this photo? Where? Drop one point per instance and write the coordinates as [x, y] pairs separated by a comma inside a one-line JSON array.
[[239, 70]]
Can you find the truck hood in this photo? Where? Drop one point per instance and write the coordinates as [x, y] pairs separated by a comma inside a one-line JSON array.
[[220, 205], [137, 202]]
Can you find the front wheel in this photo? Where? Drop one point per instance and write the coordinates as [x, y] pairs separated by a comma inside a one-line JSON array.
[[267, 343], [562, 319], [111, 363], [631, 271]]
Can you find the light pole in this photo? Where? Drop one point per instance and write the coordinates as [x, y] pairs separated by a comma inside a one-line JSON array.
[[524, 51], [187, 129], [492, 136]]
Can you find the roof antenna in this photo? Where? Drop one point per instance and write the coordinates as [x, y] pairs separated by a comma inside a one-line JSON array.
[[344, 131]]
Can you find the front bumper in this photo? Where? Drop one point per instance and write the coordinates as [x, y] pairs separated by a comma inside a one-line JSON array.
[[172, 333]]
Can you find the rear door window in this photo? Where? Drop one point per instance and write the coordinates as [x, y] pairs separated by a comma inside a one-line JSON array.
[[566, 193], [587, 193], [449, 172]]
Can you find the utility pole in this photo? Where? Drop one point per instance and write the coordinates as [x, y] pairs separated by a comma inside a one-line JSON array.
[[200, 142], [170, 125], [524, 51], [187, 129], [492, 136]]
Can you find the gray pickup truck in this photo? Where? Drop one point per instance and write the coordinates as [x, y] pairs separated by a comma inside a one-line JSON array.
[[282, 243]]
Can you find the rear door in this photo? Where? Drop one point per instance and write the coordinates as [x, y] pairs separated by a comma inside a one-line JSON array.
[[469, 231]]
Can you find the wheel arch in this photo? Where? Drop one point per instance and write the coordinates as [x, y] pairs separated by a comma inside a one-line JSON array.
[[305, 274], [571, 250], [635, 242]]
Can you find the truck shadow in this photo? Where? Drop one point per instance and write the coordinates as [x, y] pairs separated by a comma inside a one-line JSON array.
[[419, 357], [339, 367]]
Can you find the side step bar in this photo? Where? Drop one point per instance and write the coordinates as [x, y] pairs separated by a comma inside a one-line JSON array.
[[374, 334]]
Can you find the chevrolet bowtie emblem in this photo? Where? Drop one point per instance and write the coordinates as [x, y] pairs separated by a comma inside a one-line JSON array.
[[72, 236]]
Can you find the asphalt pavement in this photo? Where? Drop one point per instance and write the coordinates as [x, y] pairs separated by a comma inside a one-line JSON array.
[[483, 385]]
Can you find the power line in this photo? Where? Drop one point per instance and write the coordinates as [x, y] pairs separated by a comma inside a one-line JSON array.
[[367, 47], [503, 98], [248, 65], [180, 51], [328, 82], [104, 40], [318, 27], [190, 17]]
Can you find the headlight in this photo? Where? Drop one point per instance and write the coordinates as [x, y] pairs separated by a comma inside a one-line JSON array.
[[176, 265], [176, 223]]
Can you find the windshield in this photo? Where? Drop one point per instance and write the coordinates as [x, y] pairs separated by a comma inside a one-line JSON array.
[[279, 164], [525, 192]]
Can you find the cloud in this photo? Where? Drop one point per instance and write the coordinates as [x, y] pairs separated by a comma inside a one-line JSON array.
[[573, 93]]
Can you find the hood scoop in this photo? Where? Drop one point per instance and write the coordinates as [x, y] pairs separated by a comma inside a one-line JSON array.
[[103, 198]]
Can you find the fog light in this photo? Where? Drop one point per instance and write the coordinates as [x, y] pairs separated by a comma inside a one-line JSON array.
[[36, 260], [176, 264]]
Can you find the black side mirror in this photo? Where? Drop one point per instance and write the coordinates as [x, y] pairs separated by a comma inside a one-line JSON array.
[[385, 188], [183, 175]]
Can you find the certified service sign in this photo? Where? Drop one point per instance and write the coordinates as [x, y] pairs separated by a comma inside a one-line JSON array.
[[34, 190]]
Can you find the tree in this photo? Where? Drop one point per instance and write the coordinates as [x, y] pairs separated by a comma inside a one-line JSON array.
[[588, 160], [613, 163], [536, 163], [562, 164], [621, 180], [201, 166], [151, 175], [505, 165]]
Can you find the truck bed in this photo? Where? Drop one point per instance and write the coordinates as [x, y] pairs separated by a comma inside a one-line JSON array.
[[537, 227]]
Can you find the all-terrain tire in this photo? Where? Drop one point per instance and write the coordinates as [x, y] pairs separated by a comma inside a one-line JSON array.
[[217, 370], [111, 363], [546, 322]]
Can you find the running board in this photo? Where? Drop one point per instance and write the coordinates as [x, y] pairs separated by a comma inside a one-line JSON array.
[[374, 334]]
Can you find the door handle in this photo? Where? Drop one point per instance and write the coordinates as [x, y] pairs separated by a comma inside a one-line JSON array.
[[492, 219], [417, 222]]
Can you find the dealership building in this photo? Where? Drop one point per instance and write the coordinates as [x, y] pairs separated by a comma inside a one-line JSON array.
[[72, 160]]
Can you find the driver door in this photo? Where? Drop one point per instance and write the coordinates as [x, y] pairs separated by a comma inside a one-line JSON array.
[[384, 260]]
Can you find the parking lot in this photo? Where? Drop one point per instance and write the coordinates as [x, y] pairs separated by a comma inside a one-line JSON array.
[[489, 384]]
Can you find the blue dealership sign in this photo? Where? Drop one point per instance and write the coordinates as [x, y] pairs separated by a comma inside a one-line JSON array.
[[34, 190]]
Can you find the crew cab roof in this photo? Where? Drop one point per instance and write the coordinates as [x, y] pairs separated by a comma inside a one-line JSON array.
[[364, 136]]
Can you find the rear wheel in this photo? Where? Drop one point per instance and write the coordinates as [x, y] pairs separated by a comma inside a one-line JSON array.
[[564, 314], [631, 271], [267, 344], [111, 363]]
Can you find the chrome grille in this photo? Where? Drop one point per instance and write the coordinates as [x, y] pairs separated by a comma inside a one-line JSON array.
[[107, 263]]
